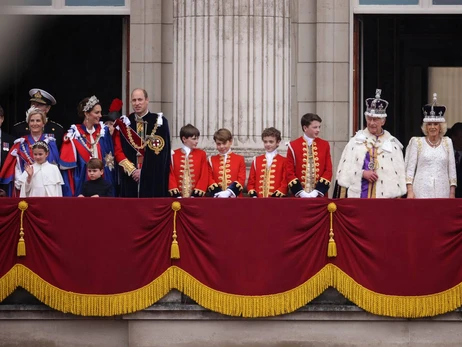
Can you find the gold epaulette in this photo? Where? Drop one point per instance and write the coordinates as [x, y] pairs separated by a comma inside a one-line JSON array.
[[128, 166]]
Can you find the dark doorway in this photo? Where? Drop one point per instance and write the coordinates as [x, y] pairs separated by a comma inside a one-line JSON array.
[[397, 53], [69, 56]]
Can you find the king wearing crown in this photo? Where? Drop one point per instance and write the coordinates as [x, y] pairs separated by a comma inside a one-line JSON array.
[[372, 163]]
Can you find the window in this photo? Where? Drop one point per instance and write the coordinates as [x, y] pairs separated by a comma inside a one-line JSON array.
[[389, 2], [95, 2], [33, 3], [447, 2]]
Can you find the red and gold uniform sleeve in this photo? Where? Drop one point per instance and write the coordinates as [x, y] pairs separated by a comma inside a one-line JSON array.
[[119, 154], [293, 181], [324, 175], [202, 175], [280, 176], [173, 188]]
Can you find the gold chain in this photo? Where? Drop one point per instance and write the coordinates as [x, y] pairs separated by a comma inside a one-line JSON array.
[[143, 142]]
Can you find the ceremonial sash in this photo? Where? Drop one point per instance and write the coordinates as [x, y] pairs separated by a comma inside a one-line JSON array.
[[131, 136]]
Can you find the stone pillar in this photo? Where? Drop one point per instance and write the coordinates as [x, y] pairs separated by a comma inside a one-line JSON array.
[[231, 69]]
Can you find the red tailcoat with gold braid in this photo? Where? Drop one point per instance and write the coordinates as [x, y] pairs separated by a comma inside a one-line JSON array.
[[189, 176], [229, 175], [266, 181], [309, 167]]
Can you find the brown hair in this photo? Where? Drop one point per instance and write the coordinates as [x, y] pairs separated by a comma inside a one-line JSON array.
[[95, 163], [308, 118], [188, 131], [271, 132], [81, 106], [222, 135]]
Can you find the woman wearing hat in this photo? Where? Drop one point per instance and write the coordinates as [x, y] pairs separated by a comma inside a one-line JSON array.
[[85, 141], [21, 153], [430, 163]]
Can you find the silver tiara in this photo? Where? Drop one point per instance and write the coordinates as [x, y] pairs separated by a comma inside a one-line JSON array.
[[41, 143], [90, 103]]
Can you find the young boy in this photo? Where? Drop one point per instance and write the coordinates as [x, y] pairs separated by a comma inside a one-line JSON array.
[[96, 186], [41, 178], [188, 167], [309, 165], [268, 176], [226, 169]]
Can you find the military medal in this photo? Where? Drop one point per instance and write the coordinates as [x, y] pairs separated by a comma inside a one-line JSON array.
[[156, 143], [6, 146]]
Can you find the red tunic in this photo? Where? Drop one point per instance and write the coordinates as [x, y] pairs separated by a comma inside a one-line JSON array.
[[229, 175], [309, 167], [266, 182], [188, 176]]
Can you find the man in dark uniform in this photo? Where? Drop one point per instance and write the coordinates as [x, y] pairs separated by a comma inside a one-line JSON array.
[[142, 149], [42, 100], [6, 142]]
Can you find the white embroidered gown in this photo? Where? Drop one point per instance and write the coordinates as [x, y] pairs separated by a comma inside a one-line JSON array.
[[46, 181], [430, 170]]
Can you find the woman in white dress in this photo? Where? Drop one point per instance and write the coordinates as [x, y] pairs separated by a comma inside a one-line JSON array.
[[430, 163]]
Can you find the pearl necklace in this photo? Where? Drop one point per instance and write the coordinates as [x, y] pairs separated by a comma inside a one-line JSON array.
[[433, 144]]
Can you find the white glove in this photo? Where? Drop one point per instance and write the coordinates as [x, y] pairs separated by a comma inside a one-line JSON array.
[[304, 194], [223, 194], [313, 194]]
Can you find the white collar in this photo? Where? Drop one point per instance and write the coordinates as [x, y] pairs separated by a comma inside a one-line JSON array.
[[186, 149], [308, 139], [271, 154], [226, 154]]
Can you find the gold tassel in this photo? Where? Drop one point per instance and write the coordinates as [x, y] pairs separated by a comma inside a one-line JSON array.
[[21, 251], [175, 249], [332, 247]]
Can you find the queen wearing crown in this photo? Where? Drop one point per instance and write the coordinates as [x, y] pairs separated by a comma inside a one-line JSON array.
[[372, 163], [430, 162], [21, 155], [91, 139]]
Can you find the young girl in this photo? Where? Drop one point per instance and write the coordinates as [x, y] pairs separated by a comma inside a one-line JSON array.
[[41, 178]]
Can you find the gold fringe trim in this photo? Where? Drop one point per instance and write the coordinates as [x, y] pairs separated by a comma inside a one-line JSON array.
[[8, 283], [21, 249], [250, 306], [93, 304], [175, 248], [394, 305], [230, 304]]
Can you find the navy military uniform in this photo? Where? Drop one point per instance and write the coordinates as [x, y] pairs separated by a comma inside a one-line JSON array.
[[52, 128]]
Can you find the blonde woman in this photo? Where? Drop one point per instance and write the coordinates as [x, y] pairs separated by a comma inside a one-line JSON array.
[[430, 163]]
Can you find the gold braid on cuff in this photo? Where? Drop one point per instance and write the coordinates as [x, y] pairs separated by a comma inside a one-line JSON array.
[[128, 166]]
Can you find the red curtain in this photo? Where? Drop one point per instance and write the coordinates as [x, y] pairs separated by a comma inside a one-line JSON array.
[[257, 254]]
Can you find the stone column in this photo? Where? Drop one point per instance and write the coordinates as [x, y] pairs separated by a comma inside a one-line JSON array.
[[231, 69]]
